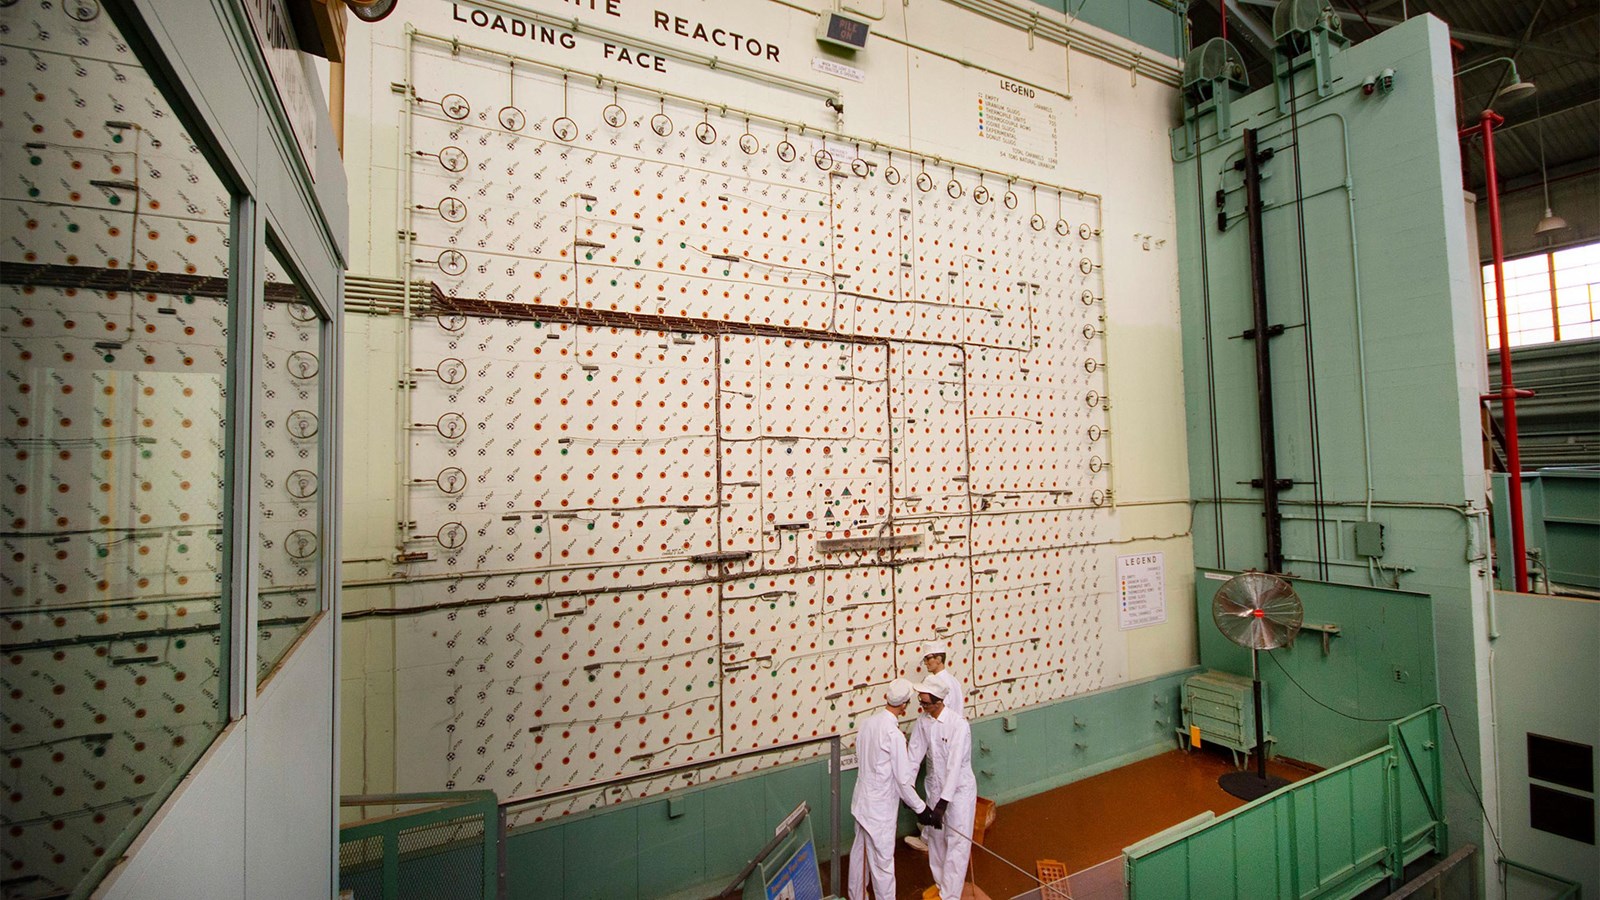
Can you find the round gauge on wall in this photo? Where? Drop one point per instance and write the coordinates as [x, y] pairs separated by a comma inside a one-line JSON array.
[[512, 119], [451, 425], [452, 209], [300, 544], [455, 106], [451, 480], [453, 159], [564, 128], [302, 423], [661, 124], [303, 364], [301, 484]]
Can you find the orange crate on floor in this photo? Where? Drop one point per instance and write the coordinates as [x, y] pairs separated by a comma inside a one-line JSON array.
[[982, 819]]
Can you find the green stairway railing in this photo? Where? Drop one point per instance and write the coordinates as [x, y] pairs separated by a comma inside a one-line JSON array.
[[431, 846], [1333, 835]]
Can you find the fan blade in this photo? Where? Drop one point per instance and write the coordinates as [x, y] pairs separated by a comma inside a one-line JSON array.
[[1257, 611]]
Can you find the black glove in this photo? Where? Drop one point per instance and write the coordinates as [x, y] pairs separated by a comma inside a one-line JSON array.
[[926, 816], [938, 813]]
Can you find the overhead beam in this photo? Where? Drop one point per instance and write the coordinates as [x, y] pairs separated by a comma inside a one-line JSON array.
[[1460, 34], [1255, 32]]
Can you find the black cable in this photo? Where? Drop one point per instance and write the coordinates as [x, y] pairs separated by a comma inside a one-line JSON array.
[[1310, 345], [1211, 374], [1450, 725]]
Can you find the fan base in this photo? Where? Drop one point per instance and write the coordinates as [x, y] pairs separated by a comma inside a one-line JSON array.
[[1249, 785]]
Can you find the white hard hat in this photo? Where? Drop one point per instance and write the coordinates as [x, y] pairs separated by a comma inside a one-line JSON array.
[[934, 688], [899, 693], [935, 648]]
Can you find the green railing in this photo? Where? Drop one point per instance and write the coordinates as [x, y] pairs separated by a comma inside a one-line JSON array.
[[1332, 835], [433, 846], [1565, 890]]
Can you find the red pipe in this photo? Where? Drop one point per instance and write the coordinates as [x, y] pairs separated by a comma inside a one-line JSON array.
[[1508, 393]]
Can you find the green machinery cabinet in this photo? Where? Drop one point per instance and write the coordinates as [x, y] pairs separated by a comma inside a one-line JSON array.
[[1220, 704]]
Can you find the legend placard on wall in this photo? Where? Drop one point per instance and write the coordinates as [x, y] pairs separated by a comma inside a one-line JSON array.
[[1141, 590], [1025, 131]]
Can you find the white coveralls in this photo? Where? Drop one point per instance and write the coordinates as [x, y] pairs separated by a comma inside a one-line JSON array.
[[952, 699], [884, 779], [947, 744]]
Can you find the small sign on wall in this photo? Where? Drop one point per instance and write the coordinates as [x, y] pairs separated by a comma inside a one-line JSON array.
[[1141, 590]]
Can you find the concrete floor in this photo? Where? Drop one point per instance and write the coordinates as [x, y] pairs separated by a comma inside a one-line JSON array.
[[1089, 821]]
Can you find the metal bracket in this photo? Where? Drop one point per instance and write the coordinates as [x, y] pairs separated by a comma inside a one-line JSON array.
[[1328, 631]]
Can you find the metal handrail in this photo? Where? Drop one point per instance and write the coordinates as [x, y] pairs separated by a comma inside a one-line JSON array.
[[1570, 890]]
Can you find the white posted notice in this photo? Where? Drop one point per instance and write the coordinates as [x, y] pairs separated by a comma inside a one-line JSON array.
[[1141, 590]]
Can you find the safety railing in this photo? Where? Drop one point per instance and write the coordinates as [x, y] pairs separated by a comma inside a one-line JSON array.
[[421, 846], [1564, 889], [1334, 834]]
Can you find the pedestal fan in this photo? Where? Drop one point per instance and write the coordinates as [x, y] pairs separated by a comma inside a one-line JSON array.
[[1257, 611]]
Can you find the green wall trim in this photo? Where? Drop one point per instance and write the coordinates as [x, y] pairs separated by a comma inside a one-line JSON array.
[[691, 841]]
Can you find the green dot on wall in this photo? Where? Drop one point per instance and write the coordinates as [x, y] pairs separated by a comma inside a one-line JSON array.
[[588, 378], [116, 139], [183, 548], [613, 282], [181, 643], [538, 529], [33, 192], [538, 606], [72, 227], [591, 526], [102, 552], [115, 200], [34, 160]]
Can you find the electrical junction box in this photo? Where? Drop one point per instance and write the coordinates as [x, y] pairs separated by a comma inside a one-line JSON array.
[[842, 31], [1369, 539], [1222, 706]]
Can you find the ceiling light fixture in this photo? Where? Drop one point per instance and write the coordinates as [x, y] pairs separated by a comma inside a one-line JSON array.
[[1551, 221], [1516, 89]]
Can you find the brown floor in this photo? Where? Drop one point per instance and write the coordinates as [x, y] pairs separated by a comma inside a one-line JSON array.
[[1089, 821]]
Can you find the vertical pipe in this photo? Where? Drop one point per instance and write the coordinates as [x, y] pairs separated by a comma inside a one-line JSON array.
[[834, 777], [1260, 333], [1508, 395], [1261, 725]]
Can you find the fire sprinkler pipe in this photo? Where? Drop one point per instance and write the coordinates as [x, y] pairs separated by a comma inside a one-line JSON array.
[[1508, 393]]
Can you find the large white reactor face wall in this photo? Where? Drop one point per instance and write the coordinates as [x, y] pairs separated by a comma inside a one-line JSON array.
[[716, 419]]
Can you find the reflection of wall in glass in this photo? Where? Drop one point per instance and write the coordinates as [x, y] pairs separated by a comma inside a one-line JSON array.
[[114, 317], [288, 464]]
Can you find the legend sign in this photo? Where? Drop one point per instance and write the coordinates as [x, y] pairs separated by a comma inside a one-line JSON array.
[[1141, 590]]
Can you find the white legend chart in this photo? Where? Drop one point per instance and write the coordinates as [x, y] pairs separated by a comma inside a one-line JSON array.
[[1141, 590]]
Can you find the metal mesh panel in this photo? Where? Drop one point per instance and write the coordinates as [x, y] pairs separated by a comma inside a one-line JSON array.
[[361, 868], [443, 861]]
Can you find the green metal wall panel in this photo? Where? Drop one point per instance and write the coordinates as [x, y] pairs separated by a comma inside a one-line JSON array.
[[1149, 23], [1380, 188], [1381, 631]]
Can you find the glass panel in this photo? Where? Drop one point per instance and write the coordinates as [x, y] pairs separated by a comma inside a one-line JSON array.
[[288, 464], [114, 306]]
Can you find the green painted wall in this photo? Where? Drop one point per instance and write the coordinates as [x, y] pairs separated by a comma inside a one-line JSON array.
[[1149, 23], [692, 841], [1380, 178], [1381, 632]]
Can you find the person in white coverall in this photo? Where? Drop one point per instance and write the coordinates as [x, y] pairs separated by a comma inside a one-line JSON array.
[[935, 661], [944, 738], [884, 777]]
